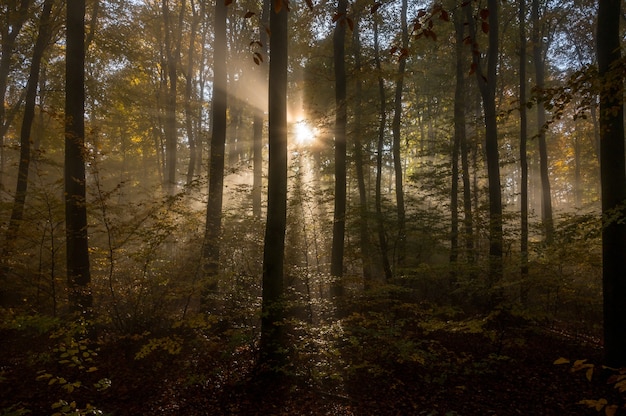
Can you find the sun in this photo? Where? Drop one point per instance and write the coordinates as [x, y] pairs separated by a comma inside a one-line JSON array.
[[303, 133]]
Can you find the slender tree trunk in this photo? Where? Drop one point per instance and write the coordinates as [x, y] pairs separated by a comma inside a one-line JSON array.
[[459, 136], [272, 332], [9, 35], [395, 127], [358, 158], [189, 110], [43, 37], [382, 237], [613, 175], [339, 218], [211, 249], [77, 250], [546, 199], [523, 153], [487, 86], [257, 129]]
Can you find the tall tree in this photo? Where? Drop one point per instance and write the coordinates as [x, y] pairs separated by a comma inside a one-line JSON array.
[[339, 217], [211, 248], [523, 158], [364, 243], [272, 331], [613, 175], [77, 250], [21, 187], [189, 91], [395, 128], [380, 223], [539, 61], [486, 80], [15, 17]]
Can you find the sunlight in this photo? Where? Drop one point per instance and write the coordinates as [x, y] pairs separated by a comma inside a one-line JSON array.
[[303, 133]]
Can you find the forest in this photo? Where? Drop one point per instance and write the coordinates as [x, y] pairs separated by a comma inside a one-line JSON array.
[[275, 207]]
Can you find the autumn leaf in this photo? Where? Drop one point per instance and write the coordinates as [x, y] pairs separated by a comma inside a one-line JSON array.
[[248, 15], [610, 410], [350, 24], [485, 27], [484, 14], [278, 5], [467, 40], [444, 16], [561, 360], [337, 16]]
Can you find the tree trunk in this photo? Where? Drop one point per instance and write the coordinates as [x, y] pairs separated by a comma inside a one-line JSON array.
[[9, 35], [77, 250], [189, 110], [522, 151], [613, 176], [43, 37], [395, 127], [211, 249], [487, 86], [546, 200], [272, 333], [382, 237], [339, 218], [358, 159]]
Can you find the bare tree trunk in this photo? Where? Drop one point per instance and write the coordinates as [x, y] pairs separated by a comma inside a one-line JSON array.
[[211, 248], [487, 86], [613, 175], [364, 242], [382, 237], [189, 110], [395, 127], [523, 153], [546, 199], [339, 218], [77, 250], [272, 331], [21, 188]]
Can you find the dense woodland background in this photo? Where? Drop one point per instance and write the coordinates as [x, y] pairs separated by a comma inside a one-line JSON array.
[[411, 224]]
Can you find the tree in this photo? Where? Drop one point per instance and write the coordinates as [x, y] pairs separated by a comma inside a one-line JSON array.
[[341, 117], [613, 176], [21, 187], [487, 86], [77, 247], [523, 158], [211, 248], [15, 18], [395, 127], [538, 58], [272, 332]]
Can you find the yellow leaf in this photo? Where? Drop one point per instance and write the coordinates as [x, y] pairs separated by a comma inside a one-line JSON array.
[[561, 361], [589, 374], [610, 410]]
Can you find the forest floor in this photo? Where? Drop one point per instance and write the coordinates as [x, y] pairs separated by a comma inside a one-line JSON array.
[[439, 372]]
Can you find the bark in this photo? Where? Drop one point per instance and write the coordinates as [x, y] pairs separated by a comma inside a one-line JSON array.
[[395, 127], [9, 35], [339, 218], [77, 250], [523, 153], [21, 188], [487, 85], [382, 237], [257, 128], [546, 200], [211, 250], [613, 176], [364, 243], [189, 110], [272, 333]]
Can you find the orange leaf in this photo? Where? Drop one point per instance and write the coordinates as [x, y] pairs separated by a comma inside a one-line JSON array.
[[278, 5]]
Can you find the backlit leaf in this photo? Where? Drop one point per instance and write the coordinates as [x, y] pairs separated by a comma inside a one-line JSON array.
[[561, 360]]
